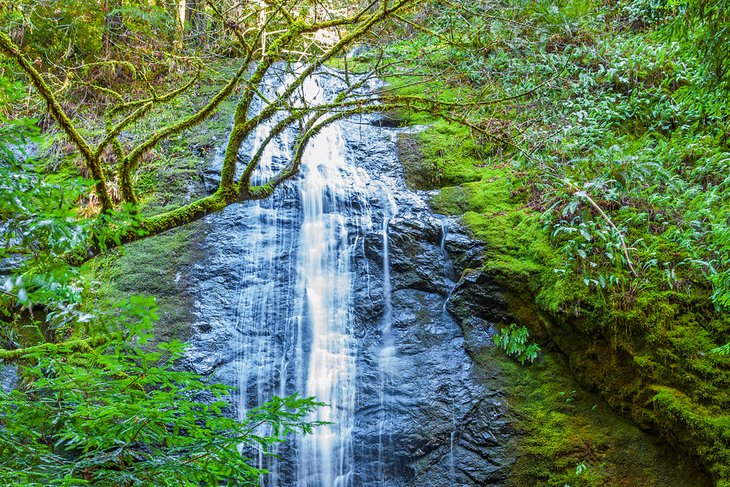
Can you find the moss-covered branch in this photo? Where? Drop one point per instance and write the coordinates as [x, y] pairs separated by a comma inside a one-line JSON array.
[[115, 130], [156, 225], [9, 48], [240, 124], [134, 156], [143, 107], [313, 127], [73, 346], [244, 126], [332, 23], [334, 111], [340, 105]]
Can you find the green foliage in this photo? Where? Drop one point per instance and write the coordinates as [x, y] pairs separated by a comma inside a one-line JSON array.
[[118, 414], [123, 414], [14, 132], [39, 227], [633, 123], [704, 28], [723, 350], [513, 341], [75, 30], [112, 409]]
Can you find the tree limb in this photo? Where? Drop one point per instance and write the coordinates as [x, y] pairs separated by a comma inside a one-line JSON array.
[[72, 346], [57, 112]]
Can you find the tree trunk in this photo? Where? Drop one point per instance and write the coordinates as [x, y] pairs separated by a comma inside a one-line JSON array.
[[195, 22], [112, 25]]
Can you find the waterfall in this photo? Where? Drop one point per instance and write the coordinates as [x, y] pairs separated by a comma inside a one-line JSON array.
[[295, 299], [312, 291], [387, 350], [325, 282]]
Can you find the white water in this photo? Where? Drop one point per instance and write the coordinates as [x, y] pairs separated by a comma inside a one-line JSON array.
[[387, 350], [325, 281], [295, 308], [265, 326]]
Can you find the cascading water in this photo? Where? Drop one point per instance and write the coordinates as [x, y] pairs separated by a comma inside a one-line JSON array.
[[328, 188], [313, 291], [299, 335], [388, 349]]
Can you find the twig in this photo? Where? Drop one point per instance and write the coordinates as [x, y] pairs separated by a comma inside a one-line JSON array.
[[590, 200]]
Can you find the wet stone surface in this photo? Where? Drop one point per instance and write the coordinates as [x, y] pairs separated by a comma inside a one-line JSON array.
[[416, 409]]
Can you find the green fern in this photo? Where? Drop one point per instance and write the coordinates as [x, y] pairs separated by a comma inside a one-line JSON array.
[[723, 350], [513, 341]]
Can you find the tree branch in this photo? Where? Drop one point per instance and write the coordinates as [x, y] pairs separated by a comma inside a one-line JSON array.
[[73, 346], [600, 211], [57, 112]]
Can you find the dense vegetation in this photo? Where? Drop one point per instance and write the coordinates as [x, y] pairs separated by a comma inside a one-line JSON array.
[[586, 143], [601, 192]]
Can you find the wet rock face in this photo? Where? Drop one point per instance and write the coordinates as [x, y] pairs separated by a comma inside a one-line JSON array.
[[443, 424], [435, 420], [478, 295], [8, 377], [424, 414], [416, 260]]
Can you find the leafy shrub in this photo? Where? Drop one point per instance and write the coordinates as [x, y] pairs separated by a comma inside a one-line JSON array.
[[121, 414], [96, 403]]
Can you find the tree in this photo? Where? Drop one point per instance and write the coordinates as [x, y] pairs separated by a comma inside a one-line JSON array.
[[293, 28], [266, 32], [111, 409], [57, 343]]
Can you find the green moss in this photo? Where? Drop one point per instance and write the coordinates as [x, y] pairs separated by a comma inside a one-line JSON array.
[[157, 267], [559, 425], [451, 150], [697, 429], [620, 343], [419, 173]]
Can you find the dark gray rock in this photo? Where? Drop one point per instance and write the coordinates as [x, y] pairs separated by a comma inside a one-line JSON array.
[[424, 414], [478, 296], [8, 377], [465, 252]]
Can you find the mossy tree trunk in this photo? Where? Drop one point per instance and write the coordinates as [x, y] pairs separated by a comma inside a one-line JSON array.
[[113, 25]]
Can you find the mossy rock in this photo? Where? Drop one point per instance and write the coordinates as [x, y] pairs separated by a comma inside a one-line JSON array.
[[419, 173], [567, 435], [157, 267], [622, 348]]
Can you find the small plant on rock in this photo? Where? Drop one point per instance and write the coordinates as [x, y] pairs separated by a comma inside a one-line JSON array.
[[513, 341]]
